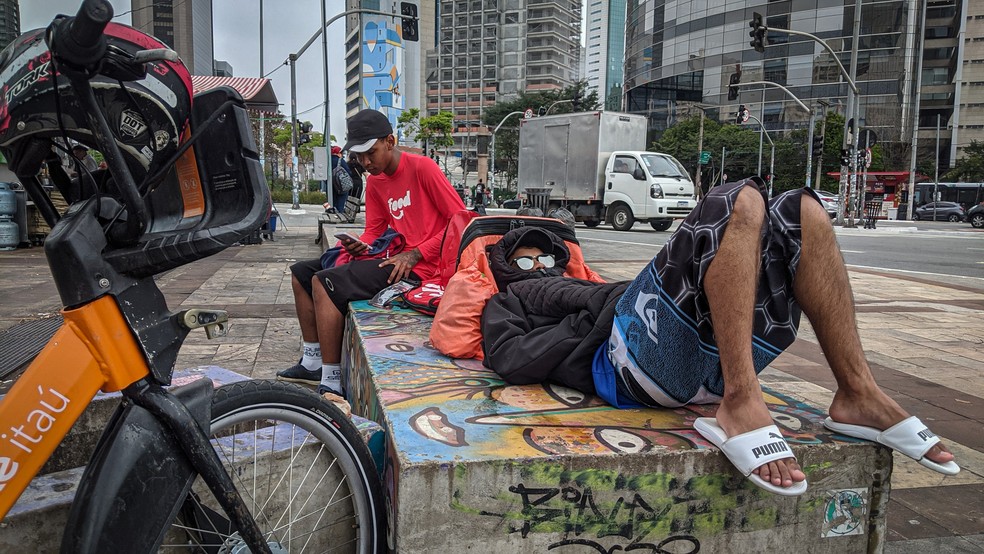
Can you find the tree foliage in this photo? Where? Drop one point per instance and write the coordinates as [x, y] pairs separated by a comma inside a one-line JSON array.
[[507, 138], [969, 168]]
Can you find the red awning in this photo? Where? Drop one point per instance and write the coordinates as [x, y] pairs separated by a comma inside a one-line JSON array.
[[258, 93], [902, 176]]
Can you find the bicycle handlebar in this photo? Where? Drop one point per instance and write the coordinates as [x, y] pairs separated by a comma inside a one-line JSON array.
[[81, 41]]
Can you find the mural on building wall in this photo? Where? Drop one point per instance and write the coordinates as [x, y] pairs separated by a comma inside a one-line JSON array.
[[382, 68]]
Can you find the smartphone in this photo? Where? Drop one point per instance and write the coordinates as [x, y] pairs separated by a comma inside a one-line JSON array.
[[346, 237]]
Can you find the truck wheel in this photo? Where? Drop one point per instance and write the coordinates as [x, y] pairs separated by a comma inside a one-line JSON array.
[[622, 218], [660, 224], [591, 223]]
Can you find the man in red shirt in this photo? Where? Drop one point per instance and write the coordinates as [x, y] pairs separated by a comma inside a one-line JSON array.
[[405, 192]]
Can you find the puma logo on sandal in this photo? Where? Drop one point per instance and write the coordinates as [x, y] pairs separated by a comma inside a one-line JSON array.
[[770, 448]]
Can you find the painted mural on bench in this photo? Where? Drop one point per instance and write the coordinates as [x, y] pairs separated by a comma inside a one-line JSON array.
[[458, 409]]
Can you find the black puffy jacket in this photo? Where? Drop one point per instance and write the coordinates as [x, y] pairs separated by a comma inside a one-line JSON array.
[[549, 329]]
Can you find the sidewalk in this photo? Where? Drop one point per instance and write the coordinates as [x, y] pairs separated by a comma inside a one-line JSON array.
[[927, 351]]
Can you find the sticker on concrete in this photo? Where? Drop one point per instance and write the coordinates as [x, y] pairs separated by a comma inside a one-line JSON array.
[[844, 512]]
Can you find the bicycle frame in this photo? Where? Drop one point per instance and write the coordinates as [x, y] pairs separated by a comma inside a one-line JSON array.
[[118, 333], [97, 351]]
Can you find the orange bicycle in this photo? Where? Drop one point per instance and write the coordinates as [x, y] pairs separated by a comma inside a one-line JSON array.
[[256, 466]]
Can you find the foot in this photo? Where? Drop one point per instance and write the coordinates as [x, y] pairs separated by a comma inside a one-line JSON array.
[[875, 409], [300, 374], [739, 416], [336, 398]]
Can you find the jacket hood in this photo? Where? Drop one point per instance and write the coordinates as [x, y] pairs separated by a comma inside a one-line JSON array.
[[504, 273]]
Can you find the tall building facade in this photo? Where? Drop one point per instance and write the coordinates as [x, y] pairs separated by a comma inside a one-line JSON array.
[[487, 51], [382, 70], [605, 50], [184, 25], [9, 22], [679, 52]]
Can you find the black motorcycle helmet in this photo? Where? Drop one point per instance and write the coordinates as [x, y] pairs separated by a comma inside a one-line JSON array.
[[147, 117]]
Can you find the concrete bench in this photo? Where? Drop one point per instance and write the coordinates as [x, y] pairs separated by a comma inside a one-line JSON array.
[[475, 465]]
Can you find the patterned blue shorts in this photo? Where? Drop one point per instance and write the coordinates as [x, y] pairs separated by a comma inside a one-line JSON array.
[[662, 346]]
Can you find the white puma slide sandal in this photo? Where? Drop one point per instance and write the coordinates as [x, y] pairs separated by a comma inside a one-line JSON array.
[[909, 436]]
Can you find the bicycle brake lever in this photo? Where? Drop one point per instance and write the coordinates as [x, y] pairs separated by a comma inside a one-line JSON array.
[[214, 321], [156, 55]]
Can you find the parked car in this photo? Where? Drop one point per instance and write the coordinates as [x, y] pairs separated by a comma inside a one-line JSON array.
[[944, 211], [829, 200], [512, 204], [975, 216]]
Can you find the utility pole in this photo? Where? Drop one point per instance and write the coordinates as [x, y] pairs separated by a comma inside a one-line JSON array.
[[854, 113], [700, 148], [823, 136], [722, 164], [292, 61], [758, 171], [262, 119], [809, 149]]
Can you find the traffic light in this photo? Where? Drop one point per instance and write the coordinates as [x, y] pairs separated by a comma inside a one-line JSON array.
[[845, 157], [758, 33], [817, 144], [409, 21], [303, 130], [733, 86], [576, 101], [742, 115], [541, 111]]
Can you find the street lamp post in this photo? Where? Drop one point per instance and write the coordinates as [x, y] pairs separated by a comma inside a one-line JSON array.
[[809, 145], [492, 151], [772, 160], [291, 60], [852, 106]]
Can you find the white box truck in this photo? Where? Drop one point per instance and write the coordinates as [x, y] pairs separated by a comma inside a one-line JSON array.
[[595, 165]]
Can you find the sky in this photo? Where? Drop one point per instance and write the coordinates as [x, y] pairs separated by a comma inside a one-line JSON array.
[[287, 26]]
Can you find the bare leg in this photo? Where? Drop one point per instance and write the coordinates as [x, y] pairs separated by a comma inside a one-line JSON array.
[[823, 291], [330, 325], [304, 306], [730, 285]]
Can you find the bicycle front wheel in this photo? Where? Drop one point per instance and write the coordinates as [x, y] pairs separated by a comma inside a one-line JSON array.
[[301, 468]]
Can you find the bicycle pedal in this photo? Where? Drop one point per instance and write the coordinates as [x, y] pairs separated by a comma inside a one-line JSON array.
[[214, 321]]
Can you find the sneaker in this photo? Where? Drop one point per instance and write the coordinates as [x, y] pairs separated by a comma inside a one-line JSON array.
[[333, 396], [300, 374]]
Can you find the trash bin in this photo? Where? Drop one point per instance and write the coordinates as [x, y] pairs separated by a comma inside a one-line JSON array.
[[871, 212], [538, 197], [893, 213]]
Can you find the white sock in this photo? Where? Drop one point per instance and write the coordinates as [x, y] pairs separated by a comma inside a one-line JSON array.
[[331, 376], [311, 360]]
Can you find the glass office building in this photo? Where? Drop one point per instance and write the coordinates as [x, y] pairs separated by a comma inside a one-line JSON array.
[[678, 52]]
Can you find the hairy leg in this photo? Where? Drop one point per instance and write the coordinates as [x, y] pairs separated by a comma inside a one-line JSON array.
[[823, 291], [304, 306], [730, 284], [330, 324]]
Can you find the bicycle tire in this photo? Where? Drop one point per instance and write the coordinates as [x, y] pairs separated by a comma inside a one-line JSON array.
[[288, 475]]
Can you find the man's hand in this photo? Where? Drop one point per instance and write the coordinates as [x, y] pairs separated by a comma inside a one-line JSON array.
[[402, 264], [354, 247]]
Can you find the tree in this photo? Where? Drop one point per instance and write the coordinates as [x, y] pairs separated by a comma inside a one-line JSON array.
[[970, 167], [507, 139], [409, 123], [431, 132]]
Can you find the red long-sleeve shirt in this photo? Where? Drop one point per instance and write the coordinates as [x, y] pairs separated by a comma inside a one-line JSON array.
[[418, 202]]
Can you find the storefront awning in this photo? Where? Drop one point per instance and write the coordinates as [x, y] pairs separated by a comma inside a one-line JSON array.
[[258, 93]]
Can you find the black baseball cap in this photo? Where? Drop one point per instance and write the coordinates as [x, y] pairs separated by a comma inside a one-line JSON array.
[[532, 237], [365, 128]]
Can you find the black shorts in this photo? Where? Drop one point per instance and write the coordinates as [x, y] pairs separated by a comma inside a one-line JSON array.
[[356, 280], [662, 345]]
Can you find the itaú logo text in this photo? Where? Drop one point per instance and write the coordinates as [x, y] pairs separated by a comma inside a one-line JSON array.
[[39, 422]]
